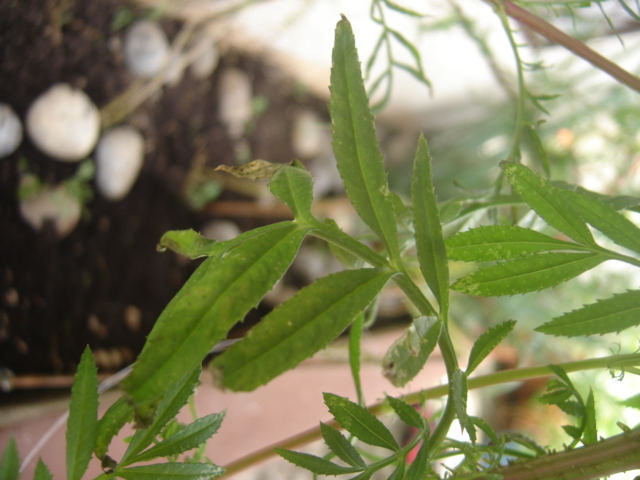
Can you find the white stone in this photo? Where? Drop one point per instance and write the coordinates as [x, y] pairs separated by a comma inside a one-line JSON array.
[[309, 136], [221, 230], [10, 130], [53, 204], [207, 59], [64, 123], [234, 105], [146, 48], [119, 157]]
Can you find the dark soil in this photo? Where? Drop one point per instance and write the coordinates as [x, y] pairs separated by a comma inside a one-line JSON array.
[[58, 295]]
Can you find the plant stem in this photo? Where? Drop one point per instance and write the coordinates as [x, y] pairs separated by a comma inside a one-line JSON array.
[[551, 33], [505, 376], [613, 455]]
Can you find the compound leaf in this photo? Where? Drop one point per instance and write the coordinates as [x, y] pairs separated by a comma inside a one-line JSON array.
[[174, 399], [171, 471], [359, 422], [605, 316], [341, 446], [548, 201], [110, 424], [294, 186], [317, 465], [218, 295], [502, 242], [191, 436], [432, 253], [82, 424], [355, 144], [298, 328], [10, 464], [487, 342], [407, 355], [527, 274]]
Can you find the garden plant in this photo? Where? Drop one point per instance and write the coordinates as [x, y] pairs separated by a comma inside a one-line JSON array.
[[544, 233]]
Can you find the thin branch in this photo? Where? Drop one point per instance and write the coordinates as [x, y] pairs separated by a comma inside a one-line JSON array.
[[551, 33]]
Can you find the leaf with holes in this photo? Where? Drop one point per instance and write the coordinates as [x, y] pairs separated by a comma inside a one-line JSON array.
[[218, 295], [527, 274], [502, 242], [298, 328]]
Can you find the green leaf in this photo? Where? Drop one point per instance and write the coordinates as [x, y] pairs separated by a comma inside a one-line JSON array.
[[548, 201], [355, 144], [501, 242], [82, 424], [398, 473], [191, 436], [359, 422], [10, 464], [527, 274], [406, 357], [218, 295], [110, 424], [41, 473], [193, 245], [341, 446], [298, 328], [572, 431], [171, 471], [189, 243], [606, 219], [631, 402], [407, 413], [486, 428], [317, 465], [487, 342], [175, 398], [590, 434], [294, 187], [605, 316], [419, 466], [459, 393], [432, 253]]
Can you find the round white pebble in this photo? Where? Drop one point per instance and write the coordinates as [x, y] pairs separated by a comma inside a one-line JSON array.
[[64, 123], [221, 230], [146, 49], [10, 130], [235, 95], [119, 157], [52, 204], [207, 60]]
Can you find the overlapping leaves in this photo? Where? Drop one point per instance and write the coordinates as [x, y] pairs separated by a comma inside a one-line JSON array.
[[528, 260]]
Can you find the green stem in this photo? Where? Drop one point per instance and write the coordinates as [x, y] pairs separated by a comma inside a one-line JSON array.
[[505, 376], [355, 335], [521, 121], [350, 244], [615, 454]]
